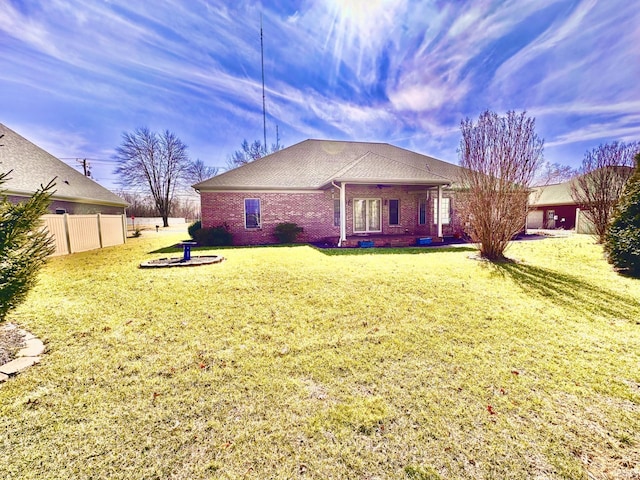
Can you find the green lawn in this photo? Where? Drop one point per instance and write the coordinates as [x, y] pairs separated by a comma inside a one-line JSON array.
[[289, 362]]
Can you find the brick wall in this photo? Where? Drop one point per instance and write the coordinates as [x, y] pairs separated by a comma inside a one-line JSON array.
[[314, 212]]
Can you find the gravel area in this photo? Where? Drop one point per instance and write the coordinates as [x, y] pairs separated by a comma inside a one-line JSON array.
[[11, 340]]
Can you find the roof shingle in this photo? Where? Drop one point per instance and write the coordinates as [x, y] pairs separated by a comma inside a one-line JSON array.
[[31, 167], [314, 164]]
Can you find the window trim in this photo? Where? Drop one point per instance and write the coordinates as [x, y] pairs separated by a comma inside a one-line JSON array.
[[336, 212], [259, 222], [424, 201], [367, 229], [397, 212]]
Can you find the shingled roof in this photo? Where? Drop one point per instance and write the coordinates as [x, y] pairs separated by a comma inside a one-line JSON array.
[[555, 194], [31, 167], [314, 164]]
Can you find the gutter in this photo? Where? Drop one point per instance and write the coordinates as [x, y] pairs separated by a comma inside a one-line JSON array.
[[343, 213]]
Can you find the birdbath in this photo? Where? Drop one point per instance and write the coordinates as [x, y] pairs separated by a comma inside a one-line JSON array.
[[186, 249]]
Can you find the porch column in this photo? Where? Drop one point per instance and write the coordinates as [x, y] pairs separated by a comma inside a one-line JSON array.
[[343, 213], [438, 213]]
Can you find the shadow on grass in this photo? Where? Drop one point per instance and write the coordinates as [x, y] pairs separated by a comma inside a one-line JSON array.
[[391, 250], [564, 289]]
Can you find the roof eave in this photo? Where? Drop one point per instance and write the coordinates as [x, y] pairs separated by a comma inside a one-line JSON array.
[[64, 198], [380, 181], [247, 188]]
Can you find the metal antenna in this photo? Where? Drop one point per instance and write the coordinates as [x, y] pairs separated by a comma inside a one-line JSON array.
[[264, 110]]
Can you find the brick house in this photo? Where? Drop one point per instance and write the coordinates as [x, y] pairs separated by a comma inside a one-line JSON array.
[[341, 193]]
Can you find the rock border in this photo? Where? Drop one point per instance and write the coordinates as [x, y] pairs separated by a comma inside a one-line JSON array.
[[181, 262], [26, 357]]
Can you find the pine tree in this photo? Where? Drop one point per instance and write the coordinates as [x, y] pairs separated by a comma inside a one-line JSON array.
[[24, 245], [622, 243]]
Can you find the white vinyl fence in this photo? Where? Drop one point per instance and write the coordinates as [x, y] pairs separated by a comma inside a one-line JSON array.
[[79, 233]]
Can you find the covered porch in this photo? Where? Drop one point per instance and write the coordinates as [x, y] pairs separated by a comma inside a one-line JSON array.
[[390, 240], [391, 214]]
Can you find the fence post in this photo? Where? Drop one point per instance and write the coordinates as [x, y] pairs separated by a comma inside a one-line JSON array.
[[124, 227], [67, 235], [99, 217]]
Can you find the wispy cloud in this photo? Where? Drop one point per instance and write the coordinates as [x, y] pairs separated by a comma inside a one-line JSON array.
[[405, 71]]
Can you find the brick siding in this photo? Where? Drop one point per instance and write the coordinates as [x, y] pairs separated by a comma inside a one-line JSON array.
[[314, 212]]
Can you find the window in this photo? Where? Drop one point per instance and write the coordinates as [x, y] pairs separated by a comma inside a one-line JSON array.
[[252, 213], [445, 214], [366, 215], [336, 213], [422, 211], [394, 212]]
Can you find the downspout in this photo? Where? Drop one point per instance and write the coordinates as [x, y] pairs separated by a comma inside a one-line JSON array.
[[439, 212], [343, 212]]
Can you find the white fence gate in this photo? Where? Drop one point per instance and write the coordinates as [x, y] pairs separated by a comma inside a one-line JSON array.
[[79, 233]]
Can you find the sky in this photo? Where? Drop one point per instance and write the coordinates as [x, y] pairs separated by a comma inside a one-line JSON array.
[[76, 74]]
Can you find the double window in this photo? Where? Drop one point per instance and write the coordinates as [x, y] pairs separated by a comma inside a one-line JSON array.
[[366, 215], [252, 213]]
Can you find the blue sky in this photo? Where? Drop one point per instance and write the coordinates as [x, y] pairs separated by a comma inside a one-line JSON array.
[[75, 74]]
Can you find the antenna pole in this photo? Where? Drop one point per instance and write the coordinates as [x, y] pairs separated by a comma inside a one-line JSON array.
[[264, 110]]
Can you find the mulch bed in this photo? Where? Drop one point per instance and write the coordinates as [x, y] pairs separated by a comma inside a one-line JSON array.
[[11, 340]]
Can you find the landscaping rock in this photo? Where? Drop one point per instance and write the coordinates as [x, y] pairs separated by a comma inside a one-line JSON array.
[[18, 364], [33, 348]]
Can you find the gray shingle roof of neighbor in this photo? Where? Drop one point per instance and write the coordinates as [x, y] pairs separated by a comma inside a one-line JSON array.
[[555, 194], [31, 167], [314, 164]]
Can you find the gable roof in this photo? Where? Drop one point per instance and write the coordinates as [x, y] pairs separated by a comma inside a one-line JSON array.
[[555, 194], [31, 166], [314, 164]]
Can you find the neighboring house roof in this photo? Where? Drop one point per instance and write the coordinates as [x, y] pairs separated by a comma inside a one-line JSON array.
[[560, 193], [556, 194], [314, 164], [31, 167]]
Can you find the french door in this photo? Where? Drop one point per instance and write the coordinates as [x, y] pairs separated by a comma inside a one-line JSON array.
[[366, 215]]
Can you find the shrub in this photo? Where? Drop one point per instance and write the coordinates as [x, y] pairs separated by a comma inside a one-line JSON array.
[[24, 245], [214, 237], [287, 232], [193, 228], [622, 242]]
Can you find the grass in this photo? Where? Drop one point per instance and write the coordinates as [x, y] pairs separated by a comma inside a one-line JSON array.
[[291, 363]]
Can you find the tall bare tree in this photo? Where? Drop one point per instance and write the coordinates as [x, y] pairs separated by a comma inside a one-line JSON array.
[[153, 161], [602, 176], [500, 156], [550, 173], [251, 151], [198, 172]]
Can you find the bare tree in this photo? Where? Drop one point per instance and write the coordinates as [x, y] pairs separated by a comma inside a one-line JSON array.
[[250, 152], [154, 161], [500, 156], [550, 173], [602, 176], [198, 172]]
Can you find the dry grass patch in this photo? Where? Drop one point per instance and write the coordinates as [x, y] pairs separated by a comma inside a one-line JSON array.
[[287, 363]]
